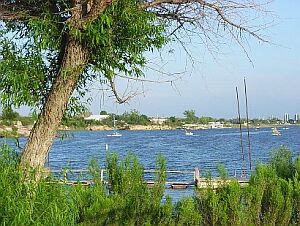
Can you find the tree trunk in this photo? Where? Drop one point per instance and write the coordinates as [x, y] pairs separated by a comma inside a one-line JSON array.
[[74, 61], [42, 135]]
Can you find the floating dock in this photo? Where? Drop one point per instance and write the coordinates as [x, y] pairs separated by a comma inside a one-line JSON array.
[[195, 179]]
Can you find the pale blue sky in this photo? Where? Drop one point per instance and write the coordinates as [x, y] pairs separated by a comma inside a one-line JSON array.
[[209, 86]]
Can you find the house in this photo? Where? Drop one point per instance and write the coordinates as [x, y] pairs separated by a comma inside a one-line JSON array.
[[215, 125], [157, 120], [96, 117]]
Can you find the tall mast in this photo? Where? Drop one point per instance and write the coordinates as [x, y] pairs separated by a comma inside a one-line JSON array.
[[248, 133], [241, 135], [114, 122]]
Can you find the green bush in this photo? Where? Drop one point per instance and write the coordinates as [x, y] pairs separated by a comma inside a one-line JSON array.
[[187, 213], [26, 121], [272, 196], [281, 161], [269, 198], [9, 134], [26, 202]]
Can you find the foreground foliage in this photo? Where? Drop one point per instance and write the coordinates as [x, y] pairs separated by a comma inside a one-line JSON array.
[[271, 198]]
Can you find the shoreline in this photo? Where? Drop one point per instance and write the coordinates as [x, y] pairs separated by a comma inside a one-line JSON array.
[[19, 130]]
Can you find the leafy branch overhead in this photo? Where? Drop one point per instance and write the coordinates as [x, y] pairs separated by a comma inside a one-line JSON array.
[[116, 34], [115, 41]]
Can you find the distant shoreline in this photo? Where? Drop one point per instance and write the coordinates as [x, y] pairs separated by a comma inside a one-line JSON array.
[[24, 131], [166, 127]]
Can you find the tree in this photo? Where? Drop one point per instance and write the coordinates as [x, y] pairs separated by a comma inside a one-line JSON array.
[[134, 118], [103, 112], [9, 114], [206, 120], [51, 53], [190, 116], [173, 121]]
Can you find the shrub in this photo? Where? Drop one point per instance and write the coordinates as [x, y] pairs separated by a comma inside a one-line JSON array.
[[26, 202], [281, 161], [271, 198]]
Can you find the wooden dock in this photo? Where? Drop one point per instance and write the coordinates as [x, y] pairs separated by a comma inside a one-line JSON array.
[[202, 182], [195, 179]]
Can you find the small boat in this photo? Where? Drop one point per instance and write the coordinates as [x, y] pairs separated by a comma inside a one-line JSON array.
[[189, 133], [275, 132], [115, 133]]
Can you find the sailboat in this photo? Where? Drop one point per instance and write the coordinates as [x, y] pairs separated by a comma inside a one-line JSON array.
[[188, 133], [275, 132], [115, 132]]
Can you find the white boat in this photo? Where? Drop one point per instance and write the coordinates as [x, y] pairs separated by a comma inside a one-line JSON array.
[[115, 133], [275, 132], [189, 133]]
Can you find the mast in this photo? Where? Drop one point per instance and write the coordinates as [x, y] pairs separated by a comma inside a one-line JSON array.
[[241, 135], [114, 122], [248, 132]]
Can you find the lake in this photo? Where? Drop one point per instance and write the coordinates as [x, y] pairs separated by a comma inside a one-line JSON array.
[[205, 149]]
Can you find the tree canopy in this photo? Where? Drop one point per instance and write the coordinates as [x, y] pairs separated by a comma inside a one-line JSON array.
[[115, 40], [190, 116]]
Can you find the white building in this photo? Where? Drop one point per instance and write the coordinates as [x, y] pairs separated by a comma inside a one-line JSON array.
[[96, 117], [158, 120], [296, 117], [286, 117], [215, 125]]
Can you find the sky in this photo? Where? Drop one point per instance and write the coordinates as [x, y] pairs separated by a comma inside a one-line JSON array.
[[208, 83], [208, 86]]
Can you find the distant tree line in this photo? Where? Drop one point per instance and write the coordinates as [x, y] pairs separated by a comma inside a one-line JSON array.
[[9, 117], [133, 117]]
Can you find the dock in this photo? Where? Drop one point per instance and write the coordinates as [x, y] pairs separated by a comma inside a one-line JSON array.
[[192, 179]]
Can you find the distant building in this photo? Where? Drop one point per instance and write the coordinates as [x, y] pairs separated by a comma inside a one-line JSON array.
[[190, 126], [96, 117], [158, 120], [286, 118], [296, 117], [215, 125]]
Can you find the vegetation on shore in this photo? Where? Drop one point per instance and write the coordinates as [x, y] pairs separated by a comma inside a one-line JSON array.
[[129, 119], [271, 198]]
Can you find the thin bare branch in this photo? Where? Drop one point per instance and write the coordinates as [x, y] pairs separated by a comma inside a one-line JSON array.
[[193, 12], [149, 80], [10, 12], [120, 100]]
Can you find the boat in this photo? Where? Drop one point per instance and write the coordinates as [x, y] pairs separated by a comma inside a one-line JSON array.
[[115, 132], [275, 132], [189, 133]]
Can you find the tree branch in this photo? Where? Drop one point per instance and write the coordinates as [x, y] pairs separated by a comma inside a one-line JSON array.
[[194, 11], [95, 8], [12, 11], [120, 100]]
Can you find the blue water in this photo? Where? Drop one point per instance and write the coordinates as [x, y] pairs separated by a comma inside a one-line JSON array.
[[205, 150]]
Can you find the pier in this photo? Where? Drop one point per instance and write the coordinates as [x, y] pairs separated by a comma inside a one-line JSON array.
[[192, 179]]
